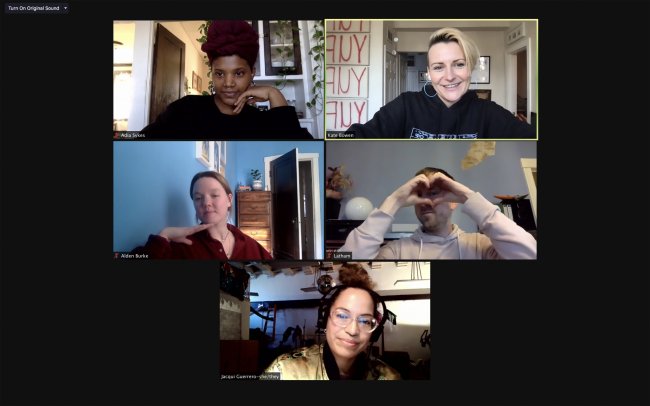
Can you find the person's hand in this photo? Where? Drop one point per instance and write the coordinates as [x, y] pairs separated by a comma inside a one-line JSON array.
[[444, 189], [422, 189], [256, 94], [409, 194], [179, 234]]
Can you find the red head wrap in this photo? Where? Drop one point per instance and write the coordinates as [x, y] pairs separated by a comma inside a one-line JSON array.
[[232, 37]]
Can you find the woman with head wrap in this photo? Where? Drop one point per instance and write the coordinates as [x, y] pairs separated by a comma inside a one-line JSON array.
[[232, 48]]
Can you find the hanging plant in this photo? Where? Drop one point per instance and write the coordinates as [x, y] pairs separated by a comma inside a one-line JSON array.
[[318, 54], [288, 35], [203, 30]]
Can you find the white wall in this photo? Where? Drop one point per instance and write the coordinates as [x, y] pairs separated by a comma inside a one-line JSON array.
[[141, 74], [531, 31], [413, 317]]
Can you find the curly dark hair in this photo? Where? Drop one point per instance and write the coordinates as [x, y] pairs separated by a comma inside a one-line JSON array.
[[354, 275]]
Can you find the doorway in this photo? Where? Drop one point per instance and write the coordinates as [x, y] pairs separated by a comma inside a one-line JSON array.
[[309, 209], [168, 71], [519, 74], [414, 72], [522, 87], [391, 80], [306, 209]]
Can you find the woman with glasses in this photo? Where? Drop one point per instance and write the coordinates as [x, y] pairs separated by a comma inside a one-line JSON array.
[[350, 315]]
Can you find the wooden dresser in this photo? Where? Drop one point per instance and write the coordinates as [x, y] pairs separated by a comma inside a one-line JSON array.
[[254, 217]]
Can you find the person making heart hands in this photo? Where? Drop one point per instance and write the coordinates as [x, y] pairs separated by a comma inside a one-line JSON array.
[[435, 195]]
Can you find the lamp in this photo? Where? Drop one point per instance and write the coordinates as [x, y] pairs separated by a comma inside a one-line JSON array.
[[358, 208]]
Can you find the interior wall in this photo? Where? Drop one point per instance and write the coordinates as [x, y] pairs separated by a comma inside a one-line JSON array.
[[232, 326], [151, 183]]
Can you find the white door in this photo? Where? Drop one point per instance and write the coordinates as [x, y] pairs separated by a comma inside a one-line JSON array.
[[390, 75]]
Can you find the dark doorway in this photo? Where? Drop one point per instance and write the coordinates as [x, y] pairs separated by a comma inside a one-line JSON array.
[[286, 207], [522, 87], [168, 71], [306, 209]]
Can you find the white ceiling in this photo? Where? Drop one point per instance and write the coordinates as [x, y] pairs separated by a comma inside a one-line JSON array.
[[283, 286]]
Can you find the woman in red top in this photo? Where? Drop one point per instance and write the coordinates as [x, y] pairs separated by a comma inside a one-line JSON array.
[[214, 238]]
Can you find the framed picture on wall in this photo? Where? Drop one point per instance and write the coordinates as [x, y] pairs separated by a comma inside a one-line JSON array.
[[204, 153], [481, 73], [216, 153], [423, 76], [484, 94], [197, 82]]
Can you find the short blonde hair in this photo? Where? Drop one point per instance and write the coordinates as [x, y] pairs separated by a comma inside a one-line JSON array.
[[469, 48]]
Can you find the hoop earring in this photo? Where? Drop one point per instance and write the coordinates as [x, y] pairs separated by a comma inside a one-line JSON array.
[[424, 89], [252, 83]]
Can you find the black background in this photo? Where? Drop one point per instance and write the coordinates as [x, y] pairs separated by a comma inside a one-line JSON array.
[[570, 328]]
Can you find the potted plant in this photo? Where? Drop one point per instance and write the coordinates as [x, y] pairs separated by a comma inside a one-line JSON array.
[[257, 179]]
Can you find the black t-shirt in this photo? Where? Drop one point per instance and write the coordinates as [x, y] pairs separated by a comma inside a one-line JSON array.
[[197, 117]]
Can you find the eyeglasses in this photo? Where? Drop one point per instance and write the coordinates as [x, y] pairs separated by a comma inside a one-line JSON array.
[[343, 318]]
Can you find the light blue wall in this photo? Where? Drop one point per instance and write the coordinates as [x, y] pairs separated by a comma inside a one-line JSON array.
[[377, 168], [250, 155], [151, 182]]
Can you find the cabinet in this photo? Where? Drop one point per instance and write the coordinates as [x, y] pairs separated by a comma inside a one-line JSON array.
[[254, 217], [282, 47], [520, 211], [284, 62], [336, 231]]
